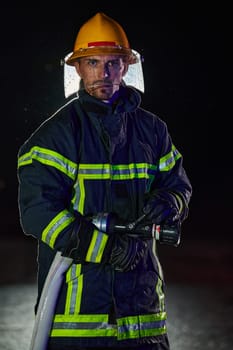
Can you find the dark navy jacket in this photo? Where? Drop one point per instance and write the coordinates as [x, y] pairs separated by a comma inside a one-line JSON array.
[[93, 157]]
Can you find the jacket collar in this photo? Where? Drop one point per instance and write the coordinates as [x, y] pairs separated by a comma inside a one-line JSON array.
[[128, 100]]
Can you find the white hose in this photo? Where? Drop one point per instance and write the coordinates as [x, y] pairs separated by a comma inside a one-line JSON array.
[[47, 303]]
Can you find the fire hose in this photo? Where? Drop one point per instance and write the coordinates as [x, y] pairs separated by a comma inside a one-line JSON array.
[[47, 303]]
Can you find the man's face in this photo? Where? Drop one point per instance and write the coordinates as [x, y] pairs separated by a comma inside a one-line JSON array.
[[101, 74]]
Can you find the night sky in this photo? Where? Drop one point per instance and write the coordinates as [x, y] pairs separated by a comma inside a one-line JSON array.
[[186, 69]]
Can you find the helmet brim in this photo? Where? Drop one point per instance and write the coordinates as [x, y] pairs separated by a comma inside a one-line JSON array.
[[103, 50]]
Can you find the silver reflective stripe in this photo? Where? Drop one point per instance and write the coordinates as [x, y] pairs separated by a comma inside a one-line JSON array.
[[56, 225], [51, 158]]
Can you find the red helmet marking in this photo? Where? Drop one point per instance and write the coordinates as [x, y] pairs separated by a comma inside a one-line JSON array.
[[102, 43]]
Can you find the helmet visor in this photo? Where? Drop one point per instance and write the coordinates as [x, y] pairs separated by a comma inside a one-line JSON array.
[[134, 76]]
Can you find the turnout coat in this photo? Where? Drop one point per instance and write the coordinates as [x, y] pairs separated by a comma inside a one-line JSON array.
[[91, 157]]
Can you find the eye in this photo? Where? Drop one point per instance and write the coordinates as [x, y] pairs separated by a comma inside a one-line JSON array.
[[114, 63], [92, 62]]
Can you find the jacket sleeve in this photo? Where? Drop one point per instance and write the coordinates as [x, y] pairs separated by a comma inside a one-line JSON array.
[[170, 173], [47, 173]]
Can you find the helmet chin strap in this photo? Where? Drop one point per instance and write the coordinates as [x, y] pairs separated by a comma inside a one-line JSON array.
[[134, 76]]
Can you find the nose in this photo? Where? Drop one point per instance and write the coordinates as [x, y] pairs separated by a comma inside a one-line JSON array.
[[105, 70]]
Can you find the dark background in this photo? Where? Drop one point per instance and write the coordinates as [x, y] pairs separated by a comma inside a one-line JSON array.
[[186, 72]]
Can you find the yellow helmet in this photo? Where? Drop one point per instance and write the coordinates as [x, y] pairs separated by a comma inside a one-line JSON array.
[[101, 35]]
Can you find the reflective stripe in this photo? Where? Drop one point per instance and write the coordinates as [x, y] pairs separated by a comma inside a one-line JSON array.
[[141, 326], [168, 161], [74, 281], [96, 247], [78, 199], [82, 326], [98, 171], [98, 326], [49, 157], [91, 171], [108, 172], [61, 221], [116, 172]]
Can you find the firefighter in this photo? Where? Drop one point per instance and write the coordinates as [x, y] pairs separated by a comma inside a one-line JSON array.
[[102, 153]]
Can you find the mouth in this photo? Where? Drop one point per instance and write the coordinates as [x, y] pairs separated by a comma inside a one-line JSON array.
[[101, 85]]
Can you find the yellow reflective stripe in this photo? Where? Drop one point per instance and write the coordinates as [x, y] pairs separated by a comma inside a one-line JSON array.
[[167, 162], [96, 247], [51, 158], [141, 326], [106, 332], [130, 171], [82, 195], [73, 272], [98, 326], [82, 326], [88, 171], [94, 171], [88, 319], [74, 281], [107, 171], [116, 172], [59, 222], [79, 195]]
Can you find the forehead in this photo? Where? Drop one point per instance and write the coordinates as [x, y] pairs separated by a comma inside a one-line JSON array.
[[103, 58]]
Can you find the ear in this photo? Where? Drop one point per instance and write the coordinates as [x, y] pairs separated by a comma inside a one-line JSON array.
[[126, 67], [77, 68]]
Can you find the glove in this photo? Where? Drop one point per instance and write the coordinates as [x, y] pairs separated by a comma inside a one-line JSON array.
[[82, 233], [162, 207], [80, 237], [123, 252], [126, 252]]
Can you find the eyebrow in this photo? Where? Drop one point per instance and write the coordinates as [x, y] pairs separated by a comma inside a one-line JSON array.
[[98, 59]]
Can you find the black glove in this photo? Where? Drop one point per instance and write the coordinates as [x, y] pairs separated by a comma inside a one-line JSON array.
[[80, 237], [162, 207], [126, 252]]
